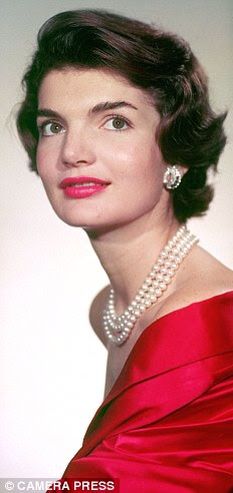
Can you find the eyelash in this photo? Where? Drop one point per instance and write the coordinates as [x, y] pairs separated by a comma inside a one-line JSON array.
[[42, 126], [119, 117]]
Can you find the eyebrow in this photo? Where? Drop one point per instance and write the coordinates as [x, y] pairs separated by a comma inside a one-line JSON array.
[[111, 105], [98, 108], [47, 112]]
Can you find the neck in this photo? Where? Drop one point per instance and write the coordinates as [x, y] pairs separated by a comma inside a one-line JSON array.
[[128, 252]]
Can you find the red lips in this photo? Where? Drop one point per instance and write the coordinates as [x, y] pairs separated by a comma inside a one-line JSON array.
[[68, 182], [81, 187]]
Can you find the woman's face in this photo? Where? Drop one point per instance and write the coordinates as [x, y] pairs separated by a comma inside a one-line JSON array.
[[95, 126]]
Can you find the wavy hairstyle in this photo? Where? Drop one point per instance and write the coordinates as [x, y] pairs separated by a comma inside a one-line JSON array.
[[161, 63]]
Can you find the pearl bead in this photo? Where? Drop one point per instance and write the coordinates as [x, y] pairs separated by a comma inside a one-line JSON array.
[[142, 308], [130, 325], [163, 286]]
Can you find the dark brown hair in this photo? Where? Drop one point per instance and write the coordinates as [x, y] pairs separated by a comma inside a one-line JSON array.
[[189, 134]]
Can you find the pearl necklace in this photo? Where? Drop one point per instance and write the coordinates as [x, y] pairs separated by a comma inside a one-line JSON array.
[[119, 327]]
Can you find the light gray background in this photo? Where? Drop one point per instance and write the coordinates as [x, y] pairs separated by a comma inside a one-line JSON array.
[[53, 365]]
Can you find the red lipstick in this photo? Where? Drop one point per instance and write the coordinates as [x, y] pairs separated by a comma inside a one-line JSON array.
[[82, 186]]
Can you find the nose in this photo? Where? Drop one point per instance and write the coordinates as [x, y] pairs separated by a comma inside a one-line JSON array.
[[77, 148]]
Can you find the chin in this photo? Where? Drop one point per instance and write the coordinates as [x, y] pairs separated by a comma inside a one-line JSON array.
[[77, 222]]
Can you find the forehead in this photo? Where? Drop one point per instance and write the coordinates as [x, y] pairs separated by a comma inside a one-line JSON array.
[[87, 86]]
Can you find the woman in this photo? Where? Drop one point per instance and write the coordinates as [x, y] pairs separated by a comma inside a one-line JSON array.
[[117, 123]]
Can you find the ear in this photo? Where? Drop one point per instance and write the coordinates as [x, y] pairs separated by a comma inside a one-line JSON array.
[[183, 169]]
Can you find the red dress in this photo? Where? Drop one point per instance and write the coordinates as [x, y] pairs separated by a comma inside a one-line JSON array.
[[167, 424]]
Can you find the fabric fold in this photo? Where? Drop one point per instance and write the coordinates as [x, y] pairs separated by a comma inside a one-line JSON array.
[[168, 420]]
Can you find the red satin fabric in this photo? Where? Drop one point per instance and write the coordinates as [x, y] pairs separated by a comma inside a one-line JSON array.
[[167, 424]]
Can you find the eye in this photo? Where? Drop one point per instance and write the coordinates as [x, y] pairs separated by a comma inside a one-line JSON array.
[[48, 129], [117, 123]]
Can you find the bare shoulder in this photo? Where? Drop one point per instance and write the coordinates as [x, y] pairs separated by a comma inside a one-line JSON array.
[[96, 312], [209, 272], [201, 277]]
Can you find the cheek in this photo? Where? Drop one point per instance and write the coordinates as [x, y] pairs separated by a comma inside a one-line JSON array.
[[40, 157], [141, 164], [45, 158]]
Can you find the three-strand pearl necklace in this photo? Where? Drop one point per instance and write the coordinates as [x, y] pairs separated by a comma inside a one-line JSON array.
[[119, 327]]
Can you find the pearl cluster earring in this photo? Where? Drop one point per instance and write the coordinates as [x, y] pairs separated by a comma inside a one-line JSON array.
[[172, 177]]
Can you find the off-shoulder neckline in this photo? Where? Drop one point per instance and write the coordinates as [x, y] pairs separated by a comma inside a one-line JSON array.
[[156, 322], [190, 305]]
